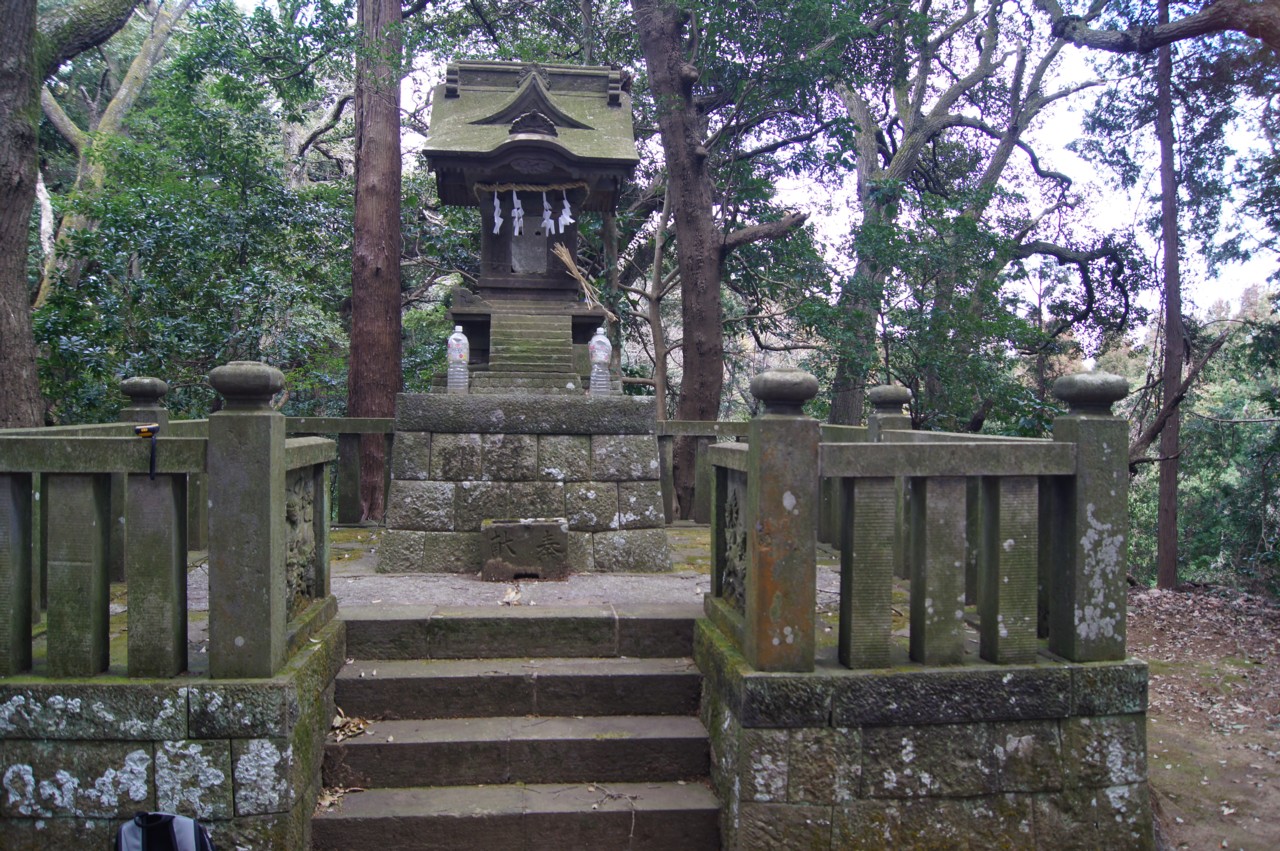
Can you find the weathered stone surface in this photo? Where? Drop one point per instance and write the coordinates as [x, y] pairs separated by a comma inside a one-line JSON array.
[[1109, 688], [455, 457], [582, 552], [531, 549], [264, 775], [783, 826], [591, 506], [624, 457], [400, 551], [20, 835], [75, 832], [193, 778], [782, 701], [639, 505], [762, 765], [243, 710], [933, 761], [420, 505], [508, 457], [564, 457], [1088, 819], [1028, 755], [993, 822], [84, 779], [480, 501], [632, 551], [276, 830], [73, 711], [524, 414], [411, 455], [825, 766], [1105, 750], [451, 552], [934, 696]]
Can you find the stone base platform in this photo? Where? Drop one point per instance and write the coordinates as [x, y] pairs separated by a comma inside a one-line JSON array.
[[1050, 756], [459, 461]]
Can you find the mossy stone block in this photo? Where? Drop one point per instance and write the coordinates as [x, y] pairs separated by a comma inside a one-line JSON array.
[[243, 709], [401, 551], [640, 505], [762, 765], [1088, 819], [785, 701], [411, 455], [1109, 688], [451, 552], [763, 825], [276, 830], [1028, 755], [582, 552], [480, 501], [942, 696], [825, 766], [632, 551], [991, 822], [71, 710], [1101, 751], [19, 834], [564, 457], [455, 457], [520, 413], [76, 832], [425, 506], [624, 457], [508, 457], [265, 776], [193, 778], [591, 506], [82, 779], [930, 761]]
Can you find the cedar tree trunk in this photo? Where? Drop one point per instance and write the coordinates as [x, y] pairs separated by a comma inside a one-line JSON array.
[[374, 374]]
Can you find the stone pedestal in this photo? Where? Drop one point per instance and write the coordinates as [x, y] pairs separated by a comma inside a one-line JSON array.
[[459, 461]]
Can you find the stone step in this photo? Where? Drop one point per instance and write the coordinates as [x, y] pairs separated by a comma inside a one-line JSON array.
[[564, 383], [576, 817], [523, 365], [465, 751], [497, 390], [476, 688], [429, 632]]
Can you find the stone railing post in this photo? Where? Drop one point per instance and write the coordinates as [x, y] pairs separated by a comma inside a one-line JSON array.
[[889, 402], [246, 470], [782, 497], [155, 550], [77, 507], [16, 599], [1089, 522], [872, 527], [144, 395]]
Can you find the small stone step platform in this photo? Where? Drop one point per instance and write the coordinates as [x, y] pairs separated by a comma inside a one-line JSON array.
[[566, 727]]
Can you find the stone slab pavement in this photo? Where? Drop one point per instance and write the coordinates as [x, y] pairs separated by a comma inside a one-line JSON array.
[[356, 582]]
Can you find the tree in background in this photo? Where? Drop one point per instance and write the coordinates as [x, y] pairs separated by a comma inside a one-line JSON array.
[[31, 48]]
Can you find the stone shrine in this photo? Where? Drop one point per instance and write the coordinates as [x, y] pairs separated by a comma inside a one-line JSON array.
[[527, 475]]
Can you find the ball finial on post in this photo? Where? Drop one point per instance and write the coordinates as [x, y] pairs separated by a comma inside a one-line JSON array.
[[784, 390]]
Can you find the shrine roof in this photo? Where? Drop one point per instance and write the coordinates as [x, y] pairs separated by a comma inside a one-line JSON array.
[[588, 115]]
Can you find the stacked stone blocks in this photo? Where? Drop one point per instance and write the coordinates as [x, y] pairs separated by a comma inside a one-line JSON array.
[[595, 466]]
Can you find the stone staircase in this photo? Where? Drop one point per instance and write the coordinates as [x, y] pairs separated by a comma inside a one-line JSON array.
[[588, 739], [529, 353]]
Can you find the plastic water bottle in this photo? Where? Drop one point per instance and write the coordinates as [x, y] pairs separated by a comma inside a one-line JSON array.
[[601, 351], [459, 353]]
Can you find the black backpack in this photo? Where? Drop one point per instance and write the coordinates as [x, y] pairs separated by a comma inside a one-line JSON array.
[[162, 832]]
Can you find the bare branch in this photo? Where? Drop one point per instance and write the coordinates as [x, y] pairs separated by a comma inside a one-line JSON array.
[[326, 124], [1169, 407], [765, 230], [62, 122], [1258, 19]]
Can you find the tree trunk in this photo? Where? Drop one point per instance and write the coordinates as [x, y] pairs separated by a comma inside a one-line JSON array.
[[698, 240], [30, 50], [20, 403], [1174, 343], [374, 373]]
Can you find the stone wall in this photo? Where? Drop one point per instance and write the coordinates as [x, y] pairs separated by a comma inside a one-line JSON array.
[[1049, 755], [77, 757], [458, 461]]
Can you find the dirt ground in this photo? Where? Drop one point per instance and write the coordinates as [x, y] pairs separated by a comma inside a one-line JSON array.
[[1213, 731]]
